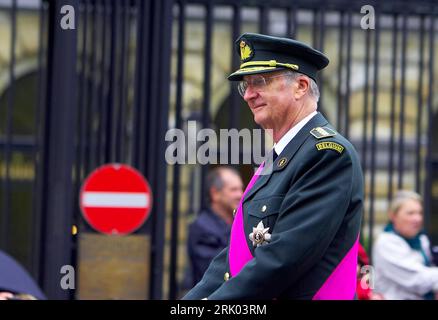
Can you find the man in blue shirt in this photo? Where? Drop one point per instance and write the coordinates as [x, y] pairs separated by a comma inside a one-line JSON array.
[[209, 233]]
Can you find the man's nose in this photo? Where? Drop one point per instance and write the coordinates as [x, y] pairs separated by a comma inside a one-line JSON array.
[[250, 93]]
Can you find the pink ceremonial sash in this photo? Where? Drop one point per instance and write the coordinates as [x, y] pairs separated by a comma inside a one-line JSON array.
[[341, 284], [239, 253]]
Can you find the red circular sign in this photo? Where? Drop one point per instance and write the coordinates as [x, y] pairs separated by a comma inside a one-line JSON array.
[[115, 199]]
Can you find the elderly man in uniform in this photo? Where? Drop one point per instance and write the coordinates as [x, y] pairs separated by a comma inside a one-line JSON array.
[[295, 234]]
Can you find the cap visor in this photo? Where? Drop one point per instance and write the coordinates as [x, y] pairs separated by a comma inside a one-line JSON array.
[[238, 75]]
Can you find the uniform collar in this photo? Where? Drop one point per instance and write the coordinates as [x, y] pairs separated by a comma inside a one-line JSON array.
[[283, 142], [288, 153]]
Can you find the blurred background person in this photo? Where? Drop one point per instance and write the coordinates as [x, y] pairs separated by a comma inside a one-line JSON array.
[[401, 256], [210, 231]]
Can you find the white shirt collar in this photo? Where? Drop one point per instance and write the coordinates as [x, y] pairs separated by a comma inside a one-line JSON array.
[[283, 142]]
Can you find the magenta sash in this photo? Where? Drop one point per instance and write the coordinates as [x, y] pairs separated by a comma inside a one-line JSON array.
[[239, 254], [341, 284]]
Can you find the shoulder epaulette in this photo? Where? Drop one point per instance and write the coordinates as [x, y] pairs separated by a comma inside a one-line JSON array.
[[322, 132]]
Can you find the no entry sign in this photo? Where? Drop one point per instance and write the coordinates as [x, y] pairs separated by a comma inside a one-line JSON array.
[[115, 199]]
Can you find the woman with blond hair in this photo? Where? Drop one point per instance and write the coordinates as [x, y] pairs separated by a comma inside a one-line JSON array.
[[401, 256]]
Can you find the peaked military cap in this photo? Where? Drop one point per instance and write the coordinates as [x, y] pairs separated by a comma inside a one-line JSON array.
[[261, 53]]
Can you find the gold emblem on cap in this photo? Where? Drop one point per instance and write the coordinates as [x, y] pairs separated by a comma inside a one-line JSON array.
[[282, 162], [245, 51]]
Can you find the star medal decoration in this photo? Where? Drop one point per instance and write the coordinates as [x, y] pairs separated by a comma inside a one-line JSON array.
[[259, 235]]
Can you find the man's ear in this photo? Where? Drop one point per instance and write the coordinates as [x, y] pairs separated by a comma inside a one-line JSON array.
[[302, 85], [213, 194]]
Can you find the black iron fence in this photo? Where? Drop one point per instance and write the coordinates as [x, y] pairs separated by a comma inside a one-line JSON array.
[[102, 97], [108, 90]]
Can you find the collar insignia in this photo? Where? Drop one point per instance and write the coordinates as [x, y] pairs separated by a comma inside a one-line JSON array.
[[282, 162]]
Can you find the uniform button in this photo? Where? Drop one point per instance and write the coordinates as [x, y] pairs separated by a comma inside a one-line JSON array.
[[226, 276], [264, 208], [234, 212]]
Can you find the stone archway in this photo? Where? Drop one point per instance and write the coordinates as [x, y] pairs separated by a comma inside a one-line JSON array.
[[26, 44], [23, 121]]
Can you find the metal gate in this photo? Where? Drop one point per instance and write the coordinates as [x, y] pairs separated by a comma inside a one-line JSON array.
[[102, 97], [108, 90]]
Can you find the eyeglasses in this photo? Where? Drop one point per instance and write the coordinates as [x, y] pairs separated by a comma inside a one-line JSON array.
[[257, 82]]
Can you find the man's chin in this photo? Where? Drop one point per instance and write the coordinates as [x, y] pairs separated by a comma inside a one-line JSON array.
[[260, 120], [262, 123]]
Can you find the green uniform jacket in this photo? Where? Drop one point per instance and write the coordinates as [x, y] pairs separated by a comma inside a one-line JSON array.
[[312, 203]]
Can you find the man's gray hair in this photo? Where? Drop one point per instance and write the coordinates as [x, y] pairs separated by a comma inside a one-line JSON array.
[[313, 88]]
